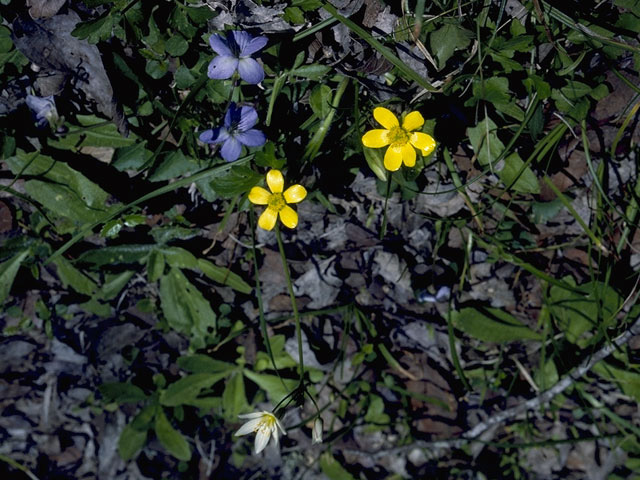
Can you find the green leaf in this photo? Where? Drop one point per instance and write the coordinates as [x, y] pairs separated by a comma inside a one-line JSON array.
[[199, 363], [174, 165], [131, 442], [171, 439], [188, 388], [234, 399], [332, 468], [176, 46], [375, 160], [266, 157], [579, 314], [280, 356], [185, 308], [492, 325], [320, 100], [518, 176], [113, 284], [116, 255], [223, 276], [132, 157], [179, 257], [155, 265], [93, 132], [96, 30], [448, 39], [121, 392], [272, 384], [628, 379], [311, 72], [71, 276], [236, 181], [8, 271], [485, 141], [375, 412], [184, 78]]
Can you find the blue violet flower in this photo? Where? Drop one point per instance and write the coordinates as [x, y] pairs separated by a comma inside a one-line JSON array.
[[234, 53], [43, 109], [237, 131]]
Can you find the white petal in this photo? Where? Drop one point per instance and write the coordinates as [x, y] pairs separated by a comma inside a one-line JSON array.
[[284, 432], [252, 415], [262, 438], [248, 427]]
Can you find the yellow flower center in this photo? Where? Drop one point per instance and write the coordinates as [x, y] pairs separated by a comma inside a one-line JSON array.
[[398, 136], [276, 202], [267, 421]]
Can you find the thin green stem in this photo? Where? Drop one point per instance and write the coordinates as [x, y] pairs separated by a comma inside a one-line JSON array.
[[383, 229], [294, 305]]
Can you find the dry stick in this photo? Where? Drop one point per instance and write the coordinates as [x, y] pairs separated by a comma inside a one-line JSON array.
[[510, 413]]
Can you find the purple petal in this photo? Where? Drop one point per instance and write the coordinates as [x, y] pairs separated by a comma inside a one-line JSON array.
[[232, 116], [253, 46], [222, 67], [240, 39], [215, 135], [248, 118], [250, 71], [252, 138], [231, 149], [219, 45]]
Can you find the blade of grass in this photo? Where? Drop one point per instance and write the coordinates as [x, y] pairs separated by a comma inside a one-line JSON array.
[[409, 73]]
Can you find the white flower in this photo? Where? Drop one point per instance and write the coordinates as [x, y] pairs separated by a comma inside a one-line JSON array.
[[264, 424], [316, 433]]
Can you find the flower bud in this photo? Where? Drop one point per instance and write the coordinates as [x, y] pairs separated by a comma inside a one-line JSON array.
[[316, 434]]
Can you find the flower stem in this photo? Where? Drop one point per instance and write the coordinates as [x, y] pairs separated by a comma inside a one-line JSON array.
[[383, 230], [294, 305]]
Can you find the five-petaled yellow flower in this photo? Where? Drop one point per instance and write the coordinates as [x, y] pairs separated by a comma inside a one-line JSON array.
[[276, 201], [264, 424], [401, 139]]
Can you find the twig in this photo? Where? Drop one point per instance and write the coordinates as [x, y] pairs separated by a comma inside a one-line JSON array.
[[505, 415]]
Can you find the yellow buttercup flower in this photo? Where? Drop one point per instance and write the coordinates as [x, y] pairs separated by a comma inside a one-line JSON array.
[[401, 139], [276, 201]]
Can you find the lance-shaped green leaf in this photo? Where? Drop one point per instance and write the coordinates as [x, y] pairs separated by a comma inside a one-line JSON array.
[[8, 271], [171, 439], [492, 325], [188, 388]]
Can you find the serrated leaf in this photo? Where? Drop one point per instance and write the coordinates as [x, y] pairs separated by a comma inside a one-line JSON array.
[[171, 439], [121, 392], [174, 165], [236, 181], [188, 388], [223, 276], [8, 271], [446, 40], [492, 325]]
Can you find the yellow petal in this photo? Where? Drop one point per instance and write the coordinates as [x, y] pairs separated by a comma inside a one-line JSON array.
[[423, 142], [289, 217], [408, 155], [275, 181], [268, 219], [375, 138], [259, 196], [295, 194], [412, 121], [393, 158], [385, 117]]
